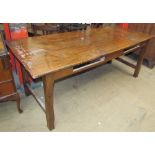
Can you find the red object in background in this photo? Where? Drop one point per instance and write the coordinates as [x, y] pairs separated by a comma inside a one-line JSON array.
[[124, 25], [8, 37], [7, 31], [20, 33]]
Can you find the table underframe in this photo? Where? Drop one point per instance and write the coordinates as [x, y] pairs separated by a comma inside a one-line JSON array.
[[49, 79]]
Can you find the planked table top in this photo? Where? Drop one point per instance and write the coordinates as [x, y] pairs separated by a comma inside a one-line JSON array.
[[46, 54]]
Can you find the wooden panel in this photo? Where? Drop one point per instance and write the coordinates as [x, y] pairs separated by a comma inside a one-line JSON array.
[[1, 65], [63, 73], [115, 55], [45, 54], [4, 62], [5, 75], [6, 89]]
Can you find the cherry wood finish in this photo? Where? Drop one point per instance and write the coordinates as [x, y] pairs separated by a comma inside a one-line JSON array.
[[45, 54], [57, 56], [148, 28]]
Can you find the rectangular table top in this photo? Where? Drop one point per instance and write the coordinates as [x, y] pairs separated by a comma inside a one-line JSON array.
[[46, 54]]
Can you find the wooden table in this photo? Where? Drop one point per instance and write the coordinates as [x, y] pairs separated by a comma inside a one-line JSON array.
[[55, 56]]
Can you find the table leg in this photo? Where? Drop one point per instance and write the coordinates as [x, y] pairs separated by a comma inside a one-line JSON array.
[[140, 61], [13, 97], [25, 80], [48, 82], [18, 103]]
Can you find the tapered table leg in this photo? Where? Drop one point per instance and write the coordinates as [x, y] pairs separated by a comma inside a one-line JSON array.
[[18, 103], [140, 61], [48, 83]]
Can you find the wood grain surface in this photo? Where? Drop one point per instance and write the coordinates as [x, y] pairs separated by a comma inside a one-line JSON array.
[[50, 53]]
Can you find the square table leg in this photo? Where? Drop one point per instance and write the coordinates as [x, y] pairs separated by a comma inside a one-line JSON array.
[[48, 83], [140, 61]]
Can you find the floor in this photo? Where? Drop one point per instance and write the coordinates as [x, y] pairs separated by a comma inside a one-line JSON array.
[[107, 98]]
